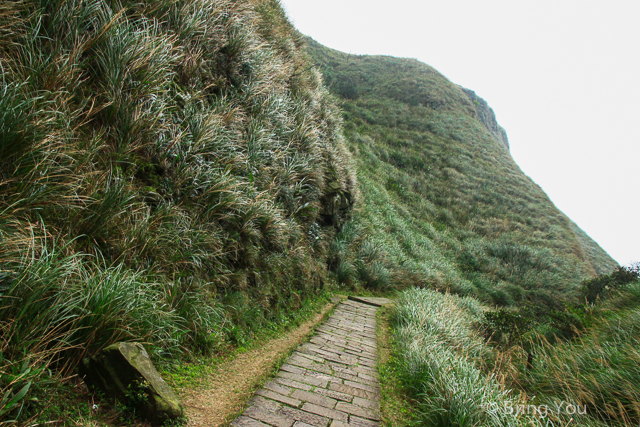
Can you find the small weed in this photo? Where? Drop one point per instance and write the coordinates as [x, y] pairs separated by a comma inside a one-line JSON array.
[[136, 396]]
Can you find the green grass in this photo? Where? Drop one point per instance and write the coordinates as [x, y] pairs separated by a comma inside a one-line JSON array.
[[170, 174], [456, 376], [599, 368], [192, 373], [396, 406], [441, 359], [443, 202]]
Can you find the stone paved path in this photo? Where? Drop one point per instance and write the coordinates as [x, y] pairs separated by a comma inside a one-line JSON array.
[[330, 381]]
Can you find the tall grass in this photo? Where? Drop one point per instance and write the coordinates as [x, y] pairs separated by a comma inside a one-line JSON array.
[[456, 378], [56, 308], [441, 355], [356, 260], [166, 171], [599, 369]]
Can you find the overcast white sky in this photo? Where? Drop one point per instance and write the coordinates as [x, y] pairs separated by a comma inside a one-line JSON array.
[[562, 76]]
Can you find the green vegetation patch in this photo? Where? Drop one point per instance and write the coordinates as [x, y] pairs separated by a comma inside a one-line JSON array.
[[443, 202], [171, 172], [441, 358], [464, 364]]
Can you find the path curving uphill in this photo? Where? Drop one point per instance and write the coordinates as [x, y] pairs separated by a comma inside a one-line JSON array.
[[330, 381]]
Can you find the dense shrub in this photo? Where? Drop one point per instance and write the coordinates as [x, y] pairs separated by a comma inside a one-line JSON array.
[[604, 285]]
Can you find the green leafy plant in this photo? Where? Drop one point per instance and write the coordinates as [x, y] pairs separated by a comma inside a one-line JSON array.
[[136, 396], [15, 383]]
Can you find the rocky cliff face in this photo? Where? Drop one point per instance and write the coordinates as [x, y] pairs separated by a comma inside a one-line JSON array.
[[487, 117]]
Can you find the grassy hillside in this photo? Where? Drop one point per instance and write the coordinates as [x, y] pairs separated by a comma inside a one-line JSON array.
[[443, 201], [170, 172], [534, 337], [176, 172]]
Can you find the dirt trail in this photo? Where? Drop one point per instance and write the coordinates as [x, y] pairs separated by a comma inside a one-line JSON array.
[[225, 392]]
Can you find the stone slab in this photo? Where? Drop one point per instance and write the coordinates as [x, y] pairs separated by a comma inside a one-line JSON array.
[[331, 380]]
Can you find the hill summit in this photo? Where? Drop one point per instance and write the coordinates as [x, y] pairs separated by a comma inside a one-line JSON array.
[[443, 200]]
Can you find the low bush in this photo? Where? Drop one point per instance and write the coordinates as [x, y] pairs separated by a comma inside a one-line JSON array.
[[604, 285]]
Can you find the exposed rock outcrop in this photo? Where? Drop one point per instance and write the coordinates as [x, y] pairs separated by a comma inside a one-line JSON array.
[[125, 371], [337, 203], [487, 117]]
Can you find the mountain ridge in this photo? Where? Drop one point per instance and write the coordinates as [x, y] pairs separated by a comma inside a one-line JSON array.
[[447, 165]]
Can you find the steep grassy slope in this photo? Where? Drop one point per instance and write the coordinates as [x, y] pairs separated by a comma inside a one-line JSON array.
[[170, 171], [442, 198], [445, 207], [175, 171]]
